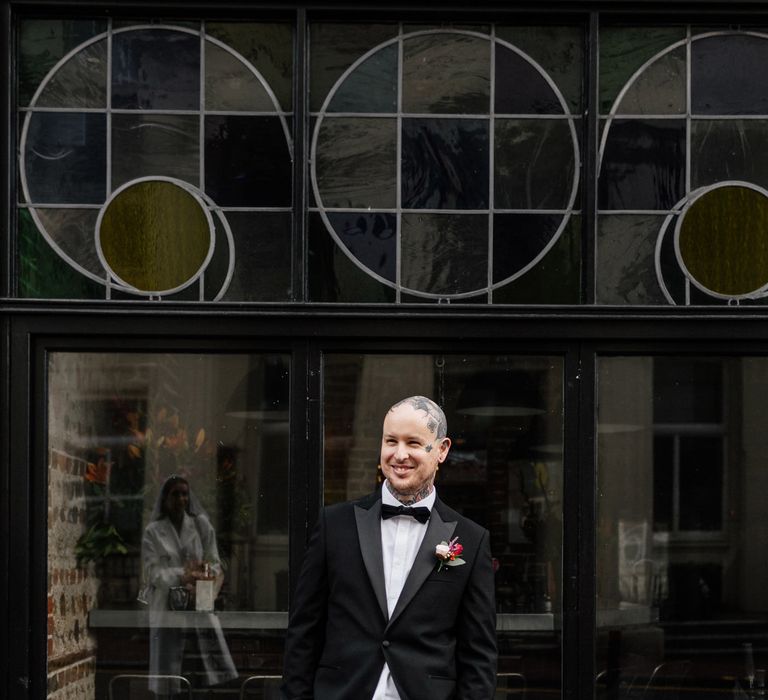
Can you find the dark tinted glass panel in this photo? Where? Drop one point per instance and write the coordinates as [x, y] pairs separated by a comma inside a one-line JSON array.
[[73, 232], [155, 145], [520, 88], [733, 149], [80, 82], [663, 483], [247, 162], [727, 75], [333, 276], [335, 47], [626, 271], [518, 239], [230, 85], [687, 391], [371, 87], [268, 47], [643, 165], [446, 74], [444, 253], [356, 162], [370, 238], [660, 88], [555, 279], [43, 42], [262, 269], [444, 164], [623, 50], [701, 483], [65, 158], [155, 69], [42, 274], [534, 164], [558, 50]]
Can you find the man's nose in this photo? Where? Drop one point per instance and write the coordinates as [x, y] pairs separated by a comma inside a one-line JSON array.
[[401, 454]]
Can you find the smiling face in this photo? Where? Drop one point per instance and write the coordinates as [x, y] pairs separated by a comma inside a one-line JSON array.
[[411, 452], [176, 501]]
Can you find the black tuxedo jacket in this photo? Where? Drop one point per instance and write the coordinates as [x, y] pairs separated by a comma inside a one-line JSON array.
[[440, 642]]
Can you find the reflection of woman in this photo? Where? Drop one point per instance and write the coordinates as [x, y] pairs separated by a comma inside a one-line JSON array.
[[178, 542]]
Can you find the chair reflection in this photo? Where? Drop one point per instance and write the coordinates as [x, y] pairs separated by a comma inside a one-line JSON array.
[[510, 685], [261, 687], [667, 680], [134, 686]]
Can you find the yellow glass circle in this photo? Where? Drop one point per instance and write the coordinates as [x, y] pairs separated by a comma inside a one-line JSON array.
[[723, 240], [155, 236]]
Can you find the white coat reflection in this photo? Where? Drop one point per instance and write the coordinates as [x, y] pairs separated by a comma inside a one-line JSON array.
[[178, 548]]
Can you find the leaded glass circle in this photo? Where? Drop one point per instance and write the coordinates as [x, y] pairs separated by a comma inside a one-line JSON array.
[[429, 148]]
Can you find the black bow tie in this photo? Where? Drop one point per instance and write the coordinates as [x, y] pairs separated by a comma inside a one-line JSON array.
[[419, 512]]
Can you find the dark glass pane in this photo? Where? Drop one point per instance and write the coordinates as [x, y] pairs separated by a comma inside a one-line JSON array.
[[334, 48], [701, 483], [405, 298], [521, 88], [643, 165], [262, 256], [247, 162], [81, 82], [663, 483], [155, 69], [446, 74], [534, 164], [371, 240], [230, 85], [732, 149], [333, 277], [555, 279], [73, 232], [268, 47], [44, 42], [356, 162], [42, 274], [371, 87], [687, 390], [623, 50], [727, 75], [518, 239], [155, 145], [444, 253], [559, 50], [660, 88], [65, 158], [626, 272], [444, 164]]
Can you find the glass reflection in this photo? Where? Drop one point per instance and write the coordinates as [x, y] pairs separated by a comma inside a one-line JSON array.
[[123, 580], [681, 565], [504, 471]]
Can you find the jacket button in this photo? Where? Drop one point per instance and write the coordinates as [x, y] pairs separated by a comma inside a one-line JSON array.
[[385, 643]]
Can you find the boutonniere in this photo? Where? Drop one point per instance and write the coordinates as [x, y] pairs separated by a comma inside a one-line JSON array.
[[449, 553]]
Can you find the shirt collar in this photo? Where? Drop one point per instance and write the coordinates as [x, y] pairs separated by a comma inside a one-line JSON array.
[[389, 499]]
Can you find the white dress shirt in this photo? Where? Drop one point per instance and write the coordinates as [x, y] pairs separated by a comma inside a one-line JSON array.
[[401, 538]]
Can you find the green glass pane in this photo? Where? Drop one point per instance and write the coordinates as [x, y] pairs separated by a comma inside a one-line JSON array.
[[333, 277], [80, 82], [660, 88], [623, 50], [723, 242], [555, 279], [154, 145], [626, 271], [154, 236], [42, 274], [371, 87], [335, 47], [558, 50], [356, 162], [73, 231], [268, 47], [43, 43], [446, 74]]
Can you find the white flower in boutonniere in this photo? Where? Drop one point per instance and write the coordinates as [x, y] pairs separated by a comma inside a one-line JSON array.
[[449, 553]]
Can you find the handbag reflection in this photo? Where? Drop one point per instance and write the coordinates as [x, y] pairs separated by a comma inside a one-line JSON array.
[[178, 598]]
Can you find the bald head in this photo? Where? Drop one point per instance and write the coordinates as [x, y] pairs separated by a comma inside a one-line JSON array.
[[436, 421]]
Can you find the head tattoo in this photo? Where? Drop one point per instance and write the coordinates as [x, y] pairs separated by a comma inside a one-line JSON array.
[[436, 422]]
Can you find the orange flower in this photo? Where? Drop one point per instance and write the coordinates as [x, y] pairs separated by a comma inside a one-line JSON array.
[[97, 472]]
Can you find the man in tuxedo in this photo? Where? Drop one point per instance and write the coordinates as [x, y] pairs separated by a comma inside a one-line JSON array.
[[381, 610]]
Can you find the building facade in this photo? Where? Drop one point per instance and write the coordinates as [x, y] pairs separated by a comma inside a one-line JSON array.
[[236, 233]]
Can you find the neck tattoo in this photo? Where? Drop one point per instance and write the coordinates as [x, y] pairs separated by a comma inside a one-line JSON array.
[[408, 499]]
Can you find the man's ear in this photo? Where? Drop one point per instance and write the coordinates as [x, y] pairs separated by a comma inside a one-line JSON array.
[[445, 445]]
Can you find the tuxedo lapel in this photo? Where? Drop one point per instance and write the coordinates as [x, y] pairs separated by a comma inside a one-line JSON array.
[[369, 534], [438, 531]]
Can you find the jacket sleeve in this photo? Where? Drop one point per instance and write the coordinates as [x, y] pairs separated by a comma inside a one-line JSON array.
[[305, 637], [476, 652]]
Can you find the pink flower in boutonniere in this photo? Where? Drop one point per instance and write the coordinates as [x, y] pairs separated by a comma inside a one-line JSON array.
[[449, 553]]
